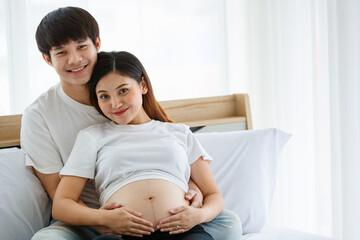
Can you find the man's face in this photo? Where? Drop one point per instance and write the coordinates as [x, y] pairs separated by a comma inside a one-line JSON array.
[[74, 61]]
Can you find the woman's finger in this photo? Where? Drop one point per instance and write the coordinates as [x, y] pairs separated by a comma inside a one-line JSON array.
[[132, 212], [110, 206]]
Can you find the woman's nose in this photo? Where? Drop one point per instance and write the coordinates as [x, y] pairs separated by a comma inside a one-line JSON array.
[[116, 102]]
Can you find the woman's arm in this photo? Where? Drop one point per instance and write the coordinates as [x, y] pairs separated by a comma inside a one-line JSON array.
[[186, 217], [65, 203], [66, 208]]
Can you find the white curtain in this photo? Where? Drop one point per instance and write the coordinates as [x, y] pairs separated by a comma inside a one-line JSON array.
[[299, 61], [287, 80]]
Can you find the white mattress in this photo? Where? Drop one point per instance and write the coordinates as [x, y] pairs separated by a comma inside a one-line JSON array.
[[277, 233]]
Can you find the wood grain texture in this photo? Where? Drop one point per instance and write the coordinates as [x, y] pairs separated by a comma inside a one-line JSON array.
[[194, 112], [10, 130]]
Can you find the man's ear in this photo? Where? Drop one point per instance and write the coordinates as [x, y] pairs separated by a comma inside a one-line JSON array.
[[47, 59], [98, 43]]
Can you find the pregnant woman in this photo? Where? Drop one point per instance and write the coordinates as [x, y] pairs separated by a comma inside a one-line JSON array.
[[139, 158]]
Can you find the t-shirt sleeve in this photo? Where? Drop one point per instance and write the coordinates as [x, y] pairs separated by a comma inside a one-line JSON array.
[[41, 152], [82, 159], [195, 150]]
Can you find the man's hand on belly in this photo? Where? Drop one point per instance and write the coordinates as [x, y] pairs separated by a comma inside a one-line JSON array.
[[194, 198], [183, 219], [194, 195]]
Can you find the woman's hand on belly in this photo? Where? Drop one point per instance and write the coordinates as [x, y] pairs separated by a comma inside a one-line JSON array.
[[153, 198], [126, 221], [182, 219]]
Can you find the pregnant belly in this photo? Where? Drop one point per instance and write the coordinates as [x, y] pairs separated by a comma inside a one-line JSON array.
[[153, 198]]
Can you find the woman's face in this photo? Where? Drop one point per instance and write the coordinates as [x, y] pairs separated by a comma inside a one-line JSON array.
[[120, 99]]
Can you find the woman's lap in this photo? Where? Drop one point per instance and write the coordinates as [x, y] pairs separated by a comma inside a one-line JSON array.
[[226, 226], [196, 233]]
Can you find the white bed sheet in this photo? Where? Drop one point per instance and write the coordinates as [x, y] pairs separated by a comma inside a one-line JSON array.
[[277, 233]]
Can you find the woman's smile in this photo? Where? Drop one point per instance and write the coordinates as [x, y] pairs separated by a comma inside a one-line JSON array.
[[120, 112]]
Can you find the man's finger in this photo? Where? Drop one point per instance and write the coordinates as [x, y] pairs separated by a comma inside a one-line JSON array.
[[190, 194], [177, 210], [196, 202]]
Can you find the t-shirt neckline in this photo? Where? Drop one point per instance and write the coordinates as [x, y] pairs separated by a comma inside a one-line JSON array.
[[131, 127], [73, 103]]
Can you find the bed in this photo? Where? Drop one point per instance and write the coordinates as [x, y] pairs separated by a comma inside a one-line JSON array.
[[244, 167]]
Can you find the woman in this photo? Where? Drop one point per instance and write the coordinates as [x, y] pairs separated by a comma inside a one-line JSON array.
[[139, 159]]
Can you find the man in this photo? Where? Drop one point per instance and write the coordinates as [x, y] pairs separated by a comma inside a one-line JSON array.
[[69, 41]]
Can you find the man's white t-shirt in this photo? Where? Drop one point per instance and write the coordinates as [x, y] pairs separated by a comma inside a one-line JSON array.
[[48, 132], [115, 155]]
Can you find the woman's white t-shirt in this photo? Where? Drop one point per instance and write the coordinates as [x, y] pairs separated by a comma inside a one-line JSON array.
[[115, 155]]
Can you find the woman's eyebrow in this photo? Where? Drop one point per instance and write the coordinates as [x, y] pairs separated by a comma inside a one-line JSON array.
[[120, 86]]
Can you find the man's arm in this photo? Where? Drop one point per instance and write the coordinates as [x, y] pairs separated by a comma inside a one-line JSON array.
[[49, 181]]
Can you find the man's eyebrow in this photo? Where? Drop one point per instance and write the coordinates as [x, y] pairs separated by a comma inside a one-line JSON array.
[[57, 48], [61, 47], [81, 40]]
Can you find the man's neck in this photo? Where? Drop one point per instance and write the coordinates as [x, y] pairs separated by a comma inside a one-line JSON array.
[[79, 93]]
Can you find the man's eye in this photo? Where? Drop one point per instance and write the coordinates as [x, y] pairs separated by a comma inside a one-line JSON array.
[[82, 46], [60, 53]]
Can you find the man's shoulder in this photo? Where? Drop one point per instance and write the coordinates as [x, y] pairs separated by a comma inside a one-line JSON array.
[[44, 101]]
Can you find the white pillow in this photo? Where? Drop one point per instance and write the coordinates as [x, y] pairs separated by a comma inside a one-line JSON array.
[[25, 207], [244, 167]]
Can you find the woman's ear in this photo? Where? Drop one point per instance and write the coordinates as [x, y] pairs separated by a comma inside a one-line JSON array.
[[143, 85], [47, 59]]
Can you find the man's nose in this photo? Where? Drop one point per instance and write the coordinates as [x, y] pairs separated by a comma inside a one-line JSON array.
[[74, 58]]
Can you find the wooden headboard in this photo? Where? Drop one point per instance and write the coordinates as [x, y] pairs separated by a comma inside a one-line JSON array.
[[195, 112]]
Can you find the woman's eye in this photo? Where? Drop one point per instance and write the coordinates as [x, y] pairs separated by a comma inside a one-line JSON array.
[[124, 90], [104, 97]]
